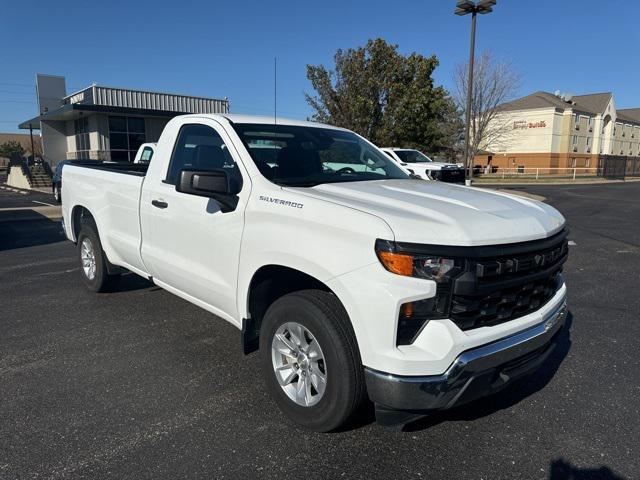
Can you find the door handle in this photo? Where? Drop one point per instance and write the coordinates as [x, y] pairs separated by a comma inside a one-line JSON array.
[[159, 204]]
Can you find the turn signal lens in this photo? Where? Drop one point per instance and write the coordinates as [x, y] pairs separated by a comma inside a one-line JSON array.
[[406, 310], [397, 263]]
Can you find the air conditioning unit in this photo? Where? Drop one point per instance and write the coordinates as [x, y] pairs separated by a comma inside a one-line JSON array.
[[591, 129], [575, 148], [588, 149], [577, 126]]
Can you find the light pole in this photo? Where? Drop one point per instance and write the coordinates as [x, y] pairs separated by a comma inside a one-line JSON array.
[[463, 7]]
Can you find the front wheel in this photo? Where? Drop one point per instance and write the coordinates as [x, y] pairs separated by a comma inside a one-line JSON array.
[[57, 194], [310, 359]]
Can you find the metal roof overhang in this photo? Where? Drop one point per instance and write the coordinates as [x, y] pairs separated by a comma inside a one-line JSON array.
[[76, 110]]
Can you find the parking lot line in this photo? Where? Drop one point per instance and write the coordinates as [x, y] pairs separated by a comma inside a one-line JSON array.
[[43, 203]]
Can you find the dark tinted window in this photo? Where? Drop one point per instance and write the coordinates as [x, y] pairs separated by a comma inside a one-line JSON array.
[[118, 124], [119, 155], [136, 125], [81, 127], [126, 134], [119, 141], [199, 147], [307, 156], [412, 156]]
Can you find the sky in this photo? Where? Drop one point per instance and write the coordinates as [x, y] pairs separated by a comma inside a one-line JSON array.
[[227, 48]]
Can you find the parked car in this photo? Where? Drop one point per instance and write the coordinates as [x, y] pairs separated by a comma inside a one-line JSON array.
[[352, 283], [418, 163], [56, 180], [145, 153]]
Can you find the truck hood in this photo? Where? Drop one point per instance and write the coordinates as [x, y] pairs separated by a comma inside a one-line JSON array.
[[439, 213]]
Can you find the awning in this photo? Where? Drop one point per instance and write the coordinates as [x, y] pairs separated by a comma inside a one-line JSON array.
[[76, 110]]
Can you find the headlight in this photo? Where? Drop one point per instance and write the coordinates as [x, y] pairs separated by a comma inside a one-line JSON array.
[[414, 316], [432, 267]]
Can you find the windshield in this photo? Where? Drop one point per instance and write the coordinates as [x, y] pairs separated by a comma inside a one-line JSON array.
[[308, 156], [412, 156]]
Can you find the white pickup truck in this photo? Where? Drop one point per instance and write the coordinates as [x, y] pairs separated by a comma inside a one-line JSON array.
[[353, 282], [417, 163]]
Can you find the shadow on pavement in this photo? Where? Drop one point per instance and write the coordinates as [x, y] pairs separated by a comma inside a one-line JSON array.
[[129, 282], [563, 470], [27, 228]]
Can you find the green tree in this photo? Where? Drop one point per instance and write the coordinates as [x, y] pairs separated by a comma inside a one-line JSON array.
[[11, 147], [386, 97]]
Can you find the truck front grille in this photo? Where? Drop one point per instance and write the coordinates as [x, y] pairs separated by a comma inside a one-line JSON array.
[[514, 283], [504, 304]]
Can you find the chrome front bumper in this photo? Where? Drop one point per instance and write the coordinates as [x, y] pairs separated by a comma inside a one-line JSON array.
[[475, 373]]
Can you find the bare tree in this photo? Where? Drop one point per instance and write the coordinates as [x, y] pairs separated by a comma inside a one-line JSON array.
[[494, 83]]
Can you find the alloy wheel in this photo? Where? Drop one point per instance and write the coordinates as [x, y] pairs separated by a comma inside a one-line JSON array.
[[299, 364], [88, 257]]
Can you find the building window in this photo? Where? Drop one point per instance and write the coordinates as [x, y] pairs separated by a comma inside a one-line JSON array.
[[126, 134], [575, 139], [591, 124], [588, 141], [81, 128], [587, 162], [573, 162]]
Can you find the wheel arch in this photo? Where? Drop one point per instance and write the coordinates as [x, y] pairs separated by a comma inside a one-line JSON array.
[[78, 214], [268, 283]]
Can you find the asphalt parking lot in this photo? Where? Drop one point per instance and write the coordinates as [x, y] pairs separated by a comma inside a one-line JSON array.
[[140, 384]]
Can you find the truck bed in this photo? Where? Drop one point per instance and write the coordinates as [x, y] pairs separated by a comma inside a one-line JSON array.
[[112, 190], [137, 169]]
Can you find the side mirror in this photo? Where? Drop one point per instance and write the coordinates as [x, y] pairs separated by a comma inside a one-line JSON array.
[[216, 184], [206, 183]]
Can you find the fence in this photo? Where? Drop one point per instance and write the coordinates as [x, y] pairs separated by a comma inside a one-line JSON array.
[[536, 173], [612, 167]]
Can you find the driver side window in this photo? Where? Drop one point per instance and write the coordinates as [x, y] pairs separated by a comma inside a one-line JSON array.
[[199, 147]]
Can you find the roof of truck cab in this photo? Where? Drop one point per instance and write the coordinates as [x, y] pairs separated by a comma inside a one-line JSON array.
[[262, 119]]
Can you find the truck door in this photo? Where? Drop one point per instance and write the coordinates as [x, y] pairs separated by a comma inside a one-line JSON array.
[[190, 245]]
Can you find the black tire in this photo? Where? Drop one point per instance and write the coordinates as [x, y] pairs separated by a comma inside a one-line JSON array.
[[324, 316], [57, 194], [101, 281]]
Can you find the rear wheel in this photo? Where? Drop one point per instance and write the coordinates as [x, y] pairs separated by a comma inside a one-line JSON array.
[[93, 261], [310, 360]]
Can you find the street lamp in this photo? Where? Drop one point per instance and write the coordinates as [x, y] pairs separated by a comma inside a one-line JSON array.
[[463, 7]]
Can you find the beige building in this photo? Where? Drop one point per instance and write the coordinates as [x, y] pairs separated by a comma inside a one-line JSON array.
[[547, 130]]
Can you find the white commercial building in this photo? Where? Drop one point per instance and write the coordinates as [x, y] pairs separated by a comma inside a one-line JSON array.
[[106, 123]]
